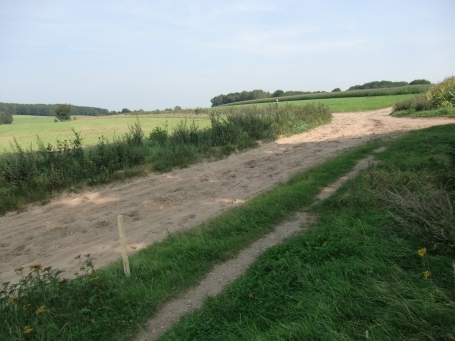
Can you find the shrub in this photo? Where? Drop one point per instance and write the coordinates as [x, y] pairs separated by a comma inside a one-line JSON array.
[[336, 90], [5, 118], [159, 135], [418, 103], [443, 94]]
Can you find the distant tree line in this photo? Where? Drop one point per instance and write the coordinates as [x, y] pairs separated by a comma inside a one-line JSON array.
[[387, 84], [48, 109], [255, 94]]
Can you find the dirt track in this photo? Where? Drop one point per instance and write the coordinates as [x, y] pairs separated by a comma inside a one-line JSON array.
[[157, 204]]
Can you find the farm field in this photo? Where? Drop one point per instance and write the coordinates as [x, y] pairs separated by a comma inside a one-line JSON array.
[[157, 206], [353, 104], [26, 128]]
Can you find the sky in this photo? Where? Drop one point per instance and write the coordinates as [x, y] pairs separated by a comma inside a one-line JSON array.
[[147, 54]]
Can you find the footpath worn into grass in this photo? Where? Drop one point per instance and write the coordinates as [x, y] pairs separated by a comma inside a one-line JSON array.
[[105, 305], [379, 265]]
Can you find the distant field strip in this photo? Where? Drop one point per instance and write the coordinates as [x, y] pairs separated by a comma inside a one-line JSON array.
[[404, 90]]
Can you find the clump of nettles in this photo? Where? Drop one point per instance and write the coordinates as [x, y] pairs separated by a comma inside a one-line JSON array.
[[29, 306]]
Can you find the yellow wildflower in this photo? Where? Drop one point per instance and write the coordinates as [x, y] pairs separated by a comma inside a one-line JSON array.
[[422, 252], [19, 269], [87, 255], [12, 299], [426, 274], [48, 268], [94, 278], [27, 330], [26, 307], [40, 310], [78, 256]]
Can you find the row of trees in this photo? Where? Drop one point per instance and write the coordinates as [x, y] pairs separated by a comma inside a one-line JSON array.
[[48, 109], [250, 95], [387, 84]]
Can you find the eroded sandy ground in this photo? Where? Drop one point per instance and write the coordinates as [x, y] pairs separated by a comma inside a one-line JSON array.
[[155, 205]]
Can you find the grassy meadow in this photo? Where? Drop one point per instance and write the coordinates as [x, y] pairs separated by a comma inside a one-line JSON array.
[[26, 128], [355, 104]]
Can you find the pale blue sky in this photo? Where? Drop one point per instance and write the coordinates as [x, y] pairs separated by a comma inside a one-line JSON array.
[[150, 55]]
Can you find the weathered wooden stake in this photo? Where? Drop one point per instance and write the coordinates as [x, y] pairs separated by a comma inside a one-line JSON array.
[[121, 231]]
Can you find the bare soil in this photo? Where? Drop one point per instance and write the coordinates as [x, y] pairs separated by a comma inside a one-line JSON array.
[[157, 204]]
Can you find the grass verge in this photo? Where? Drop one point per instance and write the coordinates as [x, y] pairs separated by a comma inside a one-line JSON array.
[[104, 305], [379, 265], [441, 112]]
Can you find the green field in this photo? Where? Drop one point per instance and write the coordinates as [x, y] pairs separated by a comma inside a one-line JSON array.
[[26, 128], [354, 104], [351, 104], [403, 90]]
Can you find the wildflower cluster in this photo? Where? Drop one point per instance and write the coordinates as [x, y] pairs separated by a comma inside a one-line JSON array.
[[27, 307]]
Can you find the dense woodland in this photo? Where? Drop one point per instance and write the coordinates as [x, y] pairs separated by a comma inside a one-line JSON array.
[[258, 94], [48, 109]]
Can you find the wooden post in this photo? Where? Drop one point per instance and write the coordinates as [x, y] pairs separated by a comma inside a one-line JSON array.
[[121, 231]]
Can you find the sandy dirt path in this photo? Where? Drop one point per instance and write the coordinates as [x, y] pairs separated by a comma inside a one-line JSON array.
[[157, 204]]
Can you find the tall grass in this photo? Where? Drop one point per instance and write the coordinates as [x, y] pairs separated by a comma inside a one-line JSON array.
[[27, 175], [403, 90], [378, 266]]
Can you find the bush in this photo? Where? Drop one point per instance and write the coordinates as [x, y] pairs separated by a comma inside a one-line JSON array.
[[442, 95], [336, 90], [5, 118], [418, 103], [159, 135]]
